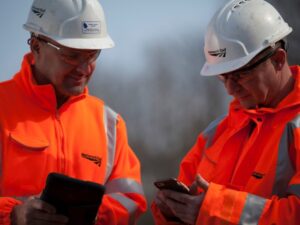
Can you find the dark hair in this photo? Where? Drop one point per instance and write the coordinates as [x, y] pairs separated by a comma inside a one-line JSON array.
[[284, 44]]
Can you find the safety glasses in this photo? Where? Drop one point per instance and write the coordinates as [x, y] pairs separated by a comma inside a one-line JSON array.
[[73, 57], [246, 70]]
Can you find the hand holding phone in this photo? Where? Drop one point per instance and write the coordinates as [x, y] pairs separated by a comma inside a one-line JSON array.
[[172, 184]]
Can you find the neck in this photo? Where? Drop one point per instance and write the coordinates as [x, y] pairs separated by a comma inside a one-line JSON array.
[[40, 80], [60, 100]]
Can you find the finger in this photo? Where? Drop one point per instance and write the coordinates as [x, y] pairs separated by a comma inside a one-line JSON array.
[[51, 218], [187, 213], [160, 197], [177, 196], [41, 222], [201, 182], [43, 206], [186, 218], [194, 188], [157, 201], [178, 209]]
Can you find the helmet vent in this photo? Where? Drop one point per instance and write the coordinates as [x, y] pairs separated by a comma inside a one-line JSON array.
[[236, 6]]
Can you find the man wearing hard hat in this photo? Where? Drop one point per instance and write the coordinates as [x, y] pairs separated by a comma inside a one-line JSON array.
[[50, 123], [246, 164]]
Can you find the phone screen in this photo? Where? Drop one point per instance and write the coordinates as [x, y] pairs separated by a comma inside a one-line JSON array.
[[172, 184]]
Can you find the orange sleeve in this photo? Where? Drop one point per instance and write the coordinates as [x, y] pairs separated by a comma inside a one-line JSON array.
[[6, 206], [188, 170], [6, 203], [125, 200], [227, 206], [190, 163]]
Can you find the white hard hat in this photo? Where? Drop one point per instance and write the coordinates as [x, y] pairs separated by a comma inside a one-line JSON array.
[[76, 24], [238, 32]]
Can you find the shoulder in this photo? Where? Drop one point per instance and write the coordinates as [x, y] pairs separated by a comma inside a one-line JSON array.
[[94, 101], [295, 122], [6, 85], [213, 125], [8, 89]]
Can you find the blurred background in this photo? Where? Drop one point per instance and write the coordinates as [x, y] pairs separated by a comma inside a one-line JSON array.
[[152, 75]]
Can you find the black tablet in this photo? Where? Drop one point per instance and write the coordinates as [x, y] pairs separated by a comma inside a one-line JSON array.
[[77, 199]]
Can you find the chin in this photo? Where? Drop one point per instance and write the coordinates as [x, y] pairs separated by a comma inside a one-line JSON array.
[[74, 91], [248, 105]]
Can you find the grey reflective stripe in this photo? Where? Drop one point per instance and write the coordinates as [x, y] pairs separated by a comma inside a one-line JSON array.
[[130, 205], [252, 210], [284, 167], [294, 189], [110, 122], [210, 130], [124, 186], [296, 121]]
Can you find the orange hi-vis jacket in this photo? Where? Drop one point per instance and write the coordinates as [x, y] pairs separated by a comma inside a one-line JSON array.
[[83, 139], [254, 179]]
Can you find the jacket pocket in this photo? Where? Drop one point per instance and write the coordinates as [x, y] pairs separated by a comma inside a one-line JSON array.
[[25, 163], [28, 142]]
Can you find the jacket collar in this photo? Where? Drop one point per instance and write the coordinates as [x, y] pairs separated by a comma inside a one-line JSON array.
[[44, 95]]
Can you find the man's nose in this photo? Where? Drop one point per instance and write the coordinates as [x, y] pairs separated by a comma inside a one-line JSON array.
[[85, 67]]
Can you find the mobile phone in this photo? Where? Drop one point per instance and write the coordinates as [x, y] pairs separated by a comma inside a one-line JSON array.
[[172, 184]]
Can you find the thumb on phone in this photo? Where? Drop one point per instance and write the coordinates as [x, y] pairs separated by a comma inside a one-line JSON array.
[[199, 182]]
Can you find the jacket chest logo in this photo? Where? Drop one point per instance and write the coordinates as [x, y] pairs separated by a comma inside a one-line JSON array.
[[258, 175], [95, 159]]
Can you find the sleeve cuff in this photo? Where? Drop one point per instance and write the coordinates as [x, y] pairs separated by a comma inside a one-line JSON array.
[[6, 207]]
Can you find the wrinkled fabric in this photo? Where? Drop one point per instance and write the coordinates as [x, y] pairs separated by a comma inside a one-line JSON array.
[[37, 139], [251, 159]]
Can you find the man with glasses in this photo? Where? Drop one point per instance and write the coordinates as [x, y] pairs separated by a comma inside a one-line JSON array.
[[50, 123], [244, 167]]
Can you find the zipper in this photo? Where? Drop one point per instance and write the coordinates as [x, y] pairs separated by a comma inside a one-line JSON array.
[[60, 143]]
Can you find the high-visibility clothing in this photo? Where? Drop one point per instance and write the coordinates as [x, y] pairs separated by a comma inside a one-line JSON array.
[[252, 160], [83, 139]]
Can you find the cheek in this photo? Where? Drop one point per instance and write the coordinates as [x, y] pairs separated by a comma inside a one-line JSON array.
[[259, 92]]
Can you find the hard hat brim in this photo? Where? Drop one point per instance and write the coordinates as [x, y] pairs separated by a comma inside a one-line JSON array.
[[77, 43], [91, 43], [225, 67]]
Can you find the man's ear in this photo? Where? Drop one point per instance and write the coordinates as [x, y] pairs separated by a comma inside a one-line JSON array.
[[279, 59], [34, 46]]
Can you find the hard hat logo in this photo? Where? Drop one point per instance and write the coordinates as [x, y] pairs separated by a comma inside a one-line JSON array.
[[91, 27], [218, 53], [38, 11]]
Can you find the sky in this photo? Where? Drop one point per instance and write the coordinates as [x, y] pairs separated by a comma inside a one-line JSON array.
[[132, 24]]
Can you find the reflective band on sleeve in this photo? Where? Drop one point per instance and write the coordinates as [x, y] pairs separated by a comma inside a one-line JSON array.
[[130, 205], [284, 167], [210, 130], [110, 121], [124, 186], [252, 210], [294, 190]]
